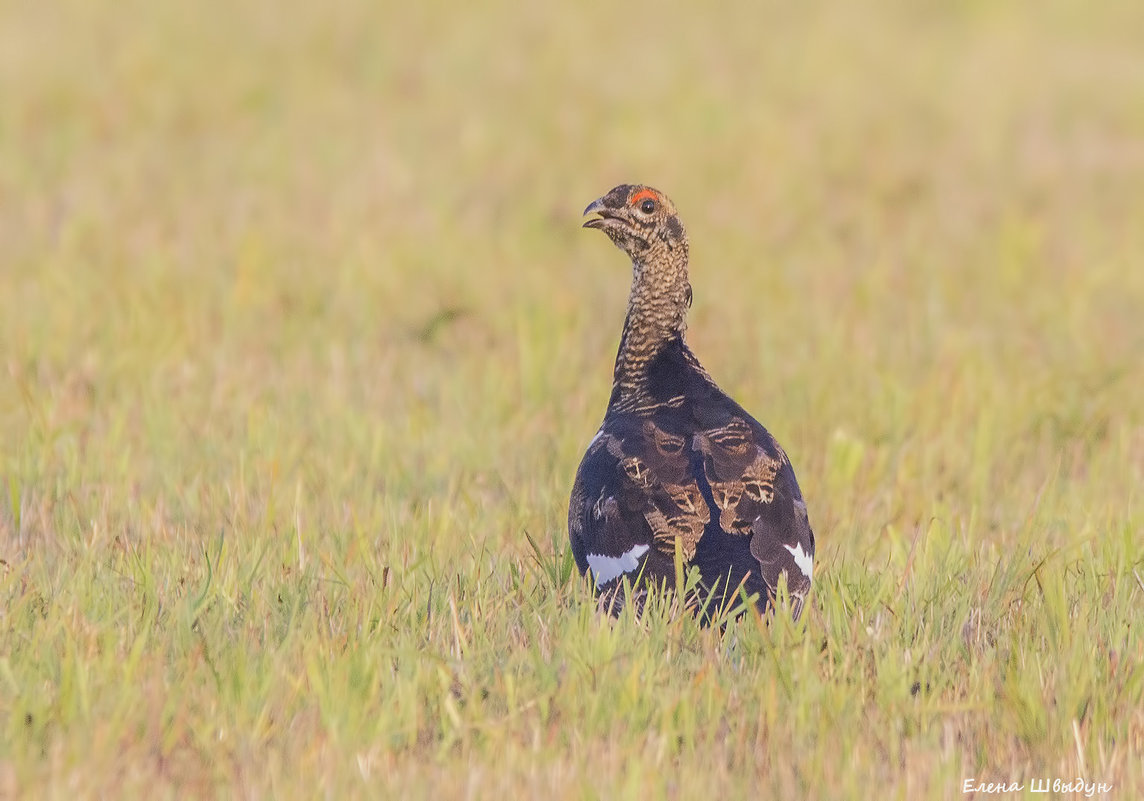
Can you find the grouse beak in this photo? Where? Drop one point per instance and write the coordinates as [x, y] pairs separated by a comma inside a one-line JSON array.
[[597, 207]]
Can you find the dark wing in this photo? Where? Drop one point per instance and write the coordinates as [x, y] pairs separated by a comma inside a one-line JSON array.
[[756, 495], [635, 496]]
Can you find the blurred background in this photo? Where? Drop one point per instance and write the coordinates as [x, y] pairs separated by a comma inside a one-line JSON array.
[[263, 259]]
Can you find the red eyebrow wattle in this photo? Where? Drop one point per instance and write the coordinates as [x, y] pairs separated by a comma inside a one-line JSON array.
[[643, 194]]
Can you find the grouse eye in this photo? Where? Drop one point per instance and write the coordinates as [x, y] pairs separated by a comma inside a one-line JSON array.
[[648, 206]]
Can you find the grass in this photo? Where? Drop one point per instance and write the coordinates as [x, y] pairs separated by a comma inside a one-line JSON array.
[[302, 344]]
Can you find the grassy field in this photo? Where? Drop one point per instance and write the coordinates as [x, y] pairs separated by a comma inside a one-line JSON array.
[[300, 344]]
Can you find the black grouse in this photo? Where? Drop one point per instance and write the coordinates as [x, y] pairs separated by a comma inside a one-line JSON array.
[[676, 462]]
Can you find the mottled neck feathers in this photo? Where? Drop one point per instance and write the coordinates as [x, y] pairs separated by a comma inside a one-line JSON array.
[[657, 317]]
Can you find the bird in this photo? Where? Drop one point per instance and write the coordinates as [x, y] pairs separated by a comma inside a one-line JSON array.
[[678, 471]]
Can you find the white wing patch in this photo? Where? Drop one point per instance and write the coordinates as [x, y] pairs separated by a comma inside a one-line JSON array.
[[596, 438], [605, 568], [804, 560]]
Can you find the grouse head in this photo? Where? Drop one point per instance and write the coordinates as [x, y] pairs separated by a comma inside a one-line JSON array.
[[641, 221]]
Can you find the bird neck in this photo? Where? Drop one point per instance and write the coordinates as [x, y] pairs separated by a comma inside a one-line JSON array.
[[657, 315]]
